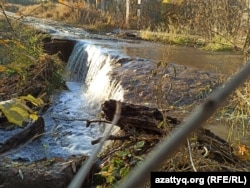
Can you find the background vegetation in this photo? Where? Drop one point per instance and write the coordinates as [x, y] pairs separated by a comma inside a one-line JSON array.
[[215, 25]]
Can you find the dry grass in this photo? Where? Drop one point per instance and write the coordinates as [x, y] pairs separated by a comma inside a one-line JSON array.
[[88, 18], [49, 10]]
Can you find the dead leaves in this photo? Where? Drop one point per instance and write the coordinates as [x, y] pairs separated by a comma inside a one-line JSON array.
[[242, 151]]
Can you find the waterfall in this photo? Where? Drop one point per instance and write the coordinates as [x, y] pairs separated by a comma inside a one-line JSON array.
[[89, 80], [92, 66]]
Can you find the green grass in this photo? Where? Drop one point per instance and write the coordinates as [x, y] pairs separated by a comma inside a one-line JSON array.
[[214, 44]]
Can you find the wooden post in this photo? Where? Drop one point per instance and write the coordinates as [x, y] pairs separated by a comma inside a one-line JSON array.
[[127, 12], [98, 4], [139, 14]]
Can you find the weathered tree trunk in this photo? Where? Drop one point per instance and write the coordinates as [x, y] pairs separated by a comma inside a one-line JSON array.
[[137, 117], [127, 12]]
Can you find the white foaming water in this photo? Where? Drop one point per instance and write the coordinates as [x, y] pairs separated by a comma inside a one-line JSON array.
[[92, 66]]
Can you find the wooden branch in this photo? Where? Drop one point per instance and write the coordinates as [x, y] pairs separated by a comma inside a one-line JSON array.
[[5, 15], [88, 122], [147, 119], [30, 132], [111, 137], [85, 169]]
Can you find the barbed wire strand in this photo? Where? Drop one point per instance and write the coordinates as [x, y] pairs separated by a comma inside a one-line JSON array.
[[82, 173], [161, 151]]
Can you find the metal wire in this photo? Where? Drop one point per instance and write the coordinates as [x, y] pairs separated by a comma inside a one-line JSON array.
[[85, 169], [167, 146]]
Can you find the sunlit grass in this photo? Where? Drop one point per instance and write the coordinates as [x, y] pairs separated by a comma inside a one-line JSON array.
[[48, 10], [214, 44], [169, 38], [234, 114], [24, 52]]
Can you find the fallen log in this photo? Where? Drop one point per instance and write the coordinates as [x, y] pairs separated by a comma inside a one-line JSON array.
[[218, 149], [30, 132], [147, 119], [137, 117]]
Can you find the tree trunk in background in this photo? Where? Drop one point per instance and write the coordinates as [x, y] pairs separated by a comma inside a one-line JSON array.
[[127, 12], [98, 4], [139, 14], [103, 5]]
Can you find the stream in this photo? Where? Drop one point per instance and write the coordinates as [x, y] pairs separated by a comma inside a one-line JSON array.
[[103, 67]]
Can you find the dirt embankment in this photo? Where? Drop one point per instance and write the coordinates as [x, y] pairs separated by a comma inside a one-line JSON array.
[[36, 82]]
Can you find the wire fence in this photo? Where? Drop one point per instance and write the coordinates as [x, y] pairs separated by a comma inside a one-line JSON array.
[[161, 151]]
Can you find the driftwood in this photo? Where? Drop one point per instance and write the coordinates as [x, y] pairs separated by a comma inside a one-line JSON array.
[[30, 132], [219, 149], [137, 117], [111, 137], [147, 119]]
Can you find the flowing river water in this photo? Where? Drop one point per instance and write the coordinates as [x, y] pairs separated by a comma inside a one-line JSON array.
[[101, 68]]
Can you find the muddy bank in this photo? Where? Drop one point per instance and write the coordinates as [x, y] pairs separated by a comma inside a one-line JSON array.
[[50, 173], [61, 47]]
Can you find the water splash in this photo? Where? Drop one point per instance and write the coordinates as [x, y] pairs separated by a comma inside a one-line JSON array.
[[76, 69], [93, 66]]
